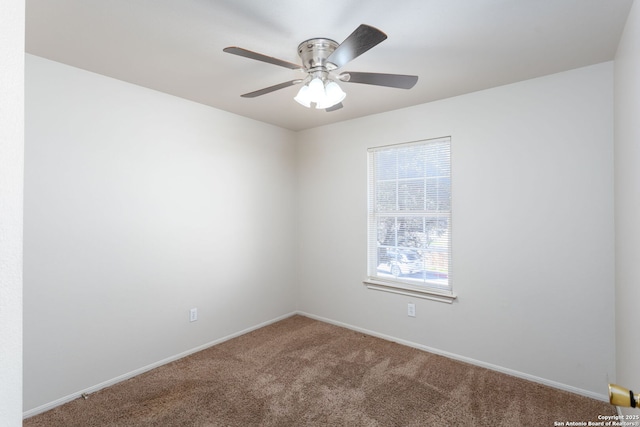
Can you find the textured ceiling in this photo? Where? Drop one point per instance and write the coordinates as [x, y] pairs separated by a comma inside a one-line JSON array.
[[454, 46]]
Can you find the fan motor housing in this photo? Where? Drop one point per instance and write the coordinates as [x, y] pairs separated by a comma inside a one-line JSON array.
[[314, 54]]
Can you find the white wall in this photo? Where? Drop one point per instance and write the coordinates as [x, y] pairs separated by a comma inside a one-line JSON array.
[[533, 233], [138, 207], [627, 202], [11, 194]]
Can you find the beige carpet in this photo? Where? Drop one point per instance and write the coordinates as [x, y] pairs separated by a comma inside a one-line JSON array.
[[301, 372]]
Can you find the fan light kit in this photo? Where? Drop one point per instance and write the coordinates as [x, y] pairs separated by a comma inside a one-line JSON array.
[[324, 94], [321, 57]]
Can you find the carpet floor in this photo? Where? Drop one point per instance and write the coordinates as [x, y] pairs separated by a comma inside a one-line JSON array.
[[302, 372]]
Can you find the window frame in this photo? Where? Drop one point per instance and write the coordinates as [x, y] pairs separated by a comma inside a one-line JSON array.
[[427, 289]]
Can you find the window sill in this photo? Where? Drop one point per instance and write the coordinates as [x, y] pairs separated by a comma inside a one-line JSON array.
[[378, 285]]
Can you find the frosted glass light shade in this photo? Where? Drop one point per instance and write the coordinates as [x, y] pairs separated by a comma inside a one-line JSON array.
[[334, 94], [316, 90], [303, 97]]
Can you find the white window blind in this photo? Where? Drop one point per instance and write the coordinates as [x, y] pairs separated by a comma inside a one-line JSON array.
[[409, 225]]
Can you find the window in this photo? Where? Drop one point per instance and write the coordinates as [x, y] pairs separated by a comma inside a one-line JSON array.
[[409, 226]]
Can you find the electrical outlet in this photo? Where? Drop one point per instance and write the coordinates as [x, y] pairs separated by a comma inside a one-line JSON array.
[[193, 315], [411, 310]]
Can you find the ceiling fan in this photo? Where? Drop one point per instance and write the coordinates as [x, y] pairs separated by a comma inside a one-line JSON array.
[[321, 57]]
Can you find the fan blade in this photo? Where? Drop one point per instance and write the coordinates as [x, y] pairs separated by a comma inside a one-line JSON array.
[[399, 81], [334, 107], [260, 57], [271, 89], [361, 40]]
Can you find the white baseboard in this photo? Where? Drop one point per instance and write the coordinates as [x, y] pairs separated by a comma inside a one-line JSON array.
[[47, 406], [533, 378]]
